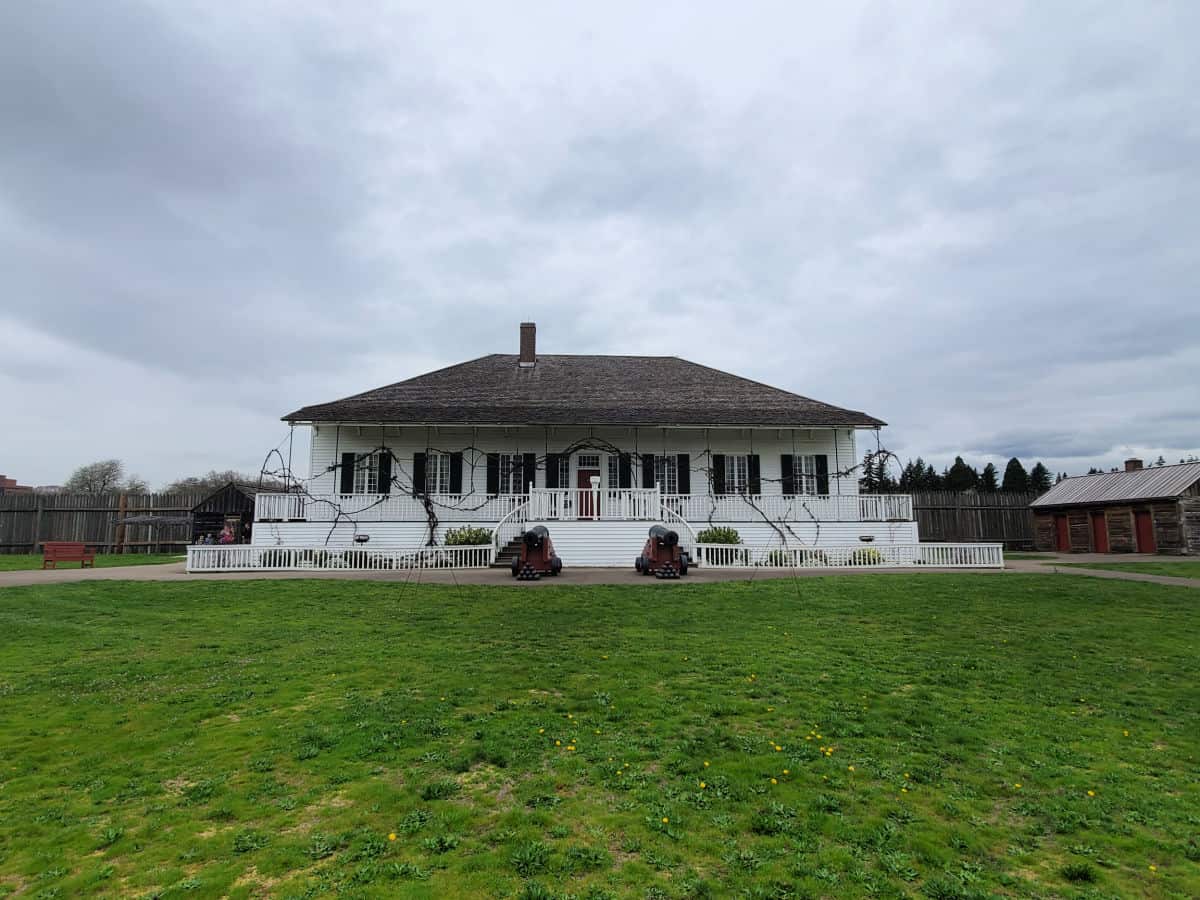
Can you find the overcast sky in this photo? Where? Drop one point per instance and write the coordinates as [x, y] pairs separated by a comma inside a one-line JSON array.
[[979, 222]]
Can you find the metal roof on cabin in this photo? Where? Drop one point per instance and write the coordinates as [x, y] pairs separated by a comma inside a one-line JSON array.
[[583, 390], [1154, 483]]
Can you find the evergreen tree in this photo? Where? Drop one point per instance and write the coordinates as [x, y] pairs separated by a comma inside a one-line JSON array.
[[961, 477], [1039, 478], [1016, 479], [989, 481], [933, 481]]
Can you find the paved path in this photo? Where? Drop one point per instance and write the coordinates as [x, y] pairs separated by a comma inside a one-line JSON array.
[[578, 575], [1051, 564]]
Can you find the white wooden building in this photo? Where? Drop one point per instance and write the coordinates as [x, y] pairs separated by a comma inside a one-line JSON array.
[[597, 449]]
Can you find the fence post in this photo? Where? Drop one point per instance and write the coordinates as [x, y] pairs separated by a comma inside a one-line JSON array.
[[122, 506], [37, 524]]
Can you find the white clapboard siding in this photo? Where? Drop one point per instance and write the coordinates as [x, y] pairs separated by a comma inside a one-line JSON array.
[[330, 441], [598, 543], [317, 534]]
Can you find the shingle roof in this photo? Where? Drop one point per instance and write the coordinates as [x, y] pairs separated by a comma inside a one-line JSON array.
[[582, 390], [1155, 483]]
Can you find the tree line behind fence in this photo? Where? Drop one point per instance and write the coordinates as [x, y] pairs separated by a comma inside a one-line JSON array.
[[27, 520]]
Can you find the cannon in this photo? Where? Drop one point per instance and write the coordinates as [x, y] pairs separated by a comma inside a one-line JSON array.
[[537, 556], [662, 557]]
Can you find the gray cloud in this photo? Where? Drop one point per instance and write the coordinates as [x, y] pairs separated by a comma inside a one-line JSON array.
[[977, 224]]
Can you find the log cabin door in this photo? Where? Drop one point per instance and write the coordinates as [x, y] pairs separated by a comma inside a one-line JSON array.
[[1099, 532], [1143, 526], [1063, 534]]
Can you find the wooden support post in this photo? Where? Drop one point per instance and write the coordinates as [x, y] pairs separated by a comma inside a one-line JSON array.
[[37, 524], [122, 506]]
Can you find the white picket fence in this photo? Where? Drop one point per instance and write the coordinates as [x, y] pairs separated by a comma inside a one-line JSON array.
[[248, 558], [854, 556]]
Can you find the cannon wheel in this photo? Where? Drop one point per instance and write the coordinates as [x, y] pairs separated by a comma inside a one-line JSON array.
[[516, 566], [683, 564], [556, 566], [637, 564]]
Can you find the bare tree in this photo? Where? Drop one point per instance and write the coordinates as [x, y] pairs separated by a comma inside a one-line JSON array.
[[103, 477], [215, 479]]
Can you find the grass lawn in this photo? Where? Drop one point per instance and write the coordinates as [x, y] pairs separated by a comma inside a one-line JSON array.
[[1045, 556], [1181, 569], [941, 736], [11, 562]]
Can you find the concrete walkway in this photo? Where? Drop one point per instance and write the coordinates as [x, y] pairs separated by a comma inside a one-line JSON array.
[[175, 572]]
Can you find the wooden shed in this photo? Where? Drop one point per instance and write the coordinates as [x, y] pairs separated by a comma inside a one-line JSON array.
[[231, 505], [1139, 510]]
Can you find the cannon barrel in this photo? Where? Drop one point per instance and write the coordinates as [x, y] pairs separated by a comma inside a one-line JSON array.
[[665, 536], [535, 536]]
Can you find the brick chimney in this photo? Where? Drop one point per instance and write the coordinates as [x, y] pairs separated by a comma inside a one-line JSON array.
[[528, 345], [1132, 465]]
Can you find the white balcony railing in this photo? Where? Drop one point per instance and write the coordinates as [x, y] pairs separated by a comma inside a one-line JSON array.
[[620, 504], [791, 508], [852, 556], [246, 557], [570, 504]]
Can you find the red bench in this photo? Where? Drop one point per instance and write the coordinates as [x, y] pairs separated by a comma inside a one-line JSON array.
[[54, 552]]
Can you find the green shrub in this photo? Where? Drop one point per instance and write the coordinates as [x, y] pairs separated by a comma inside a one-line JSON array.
[[468, 536], [719, 534]]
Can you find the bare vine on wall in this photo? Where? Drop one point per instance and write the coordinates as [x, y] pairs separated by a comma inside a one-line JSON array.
[[402, 480]]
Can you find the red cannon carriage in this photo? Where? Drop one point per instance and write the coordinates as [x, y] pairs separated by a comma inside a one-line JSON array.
[[662, 557], [537, 556]]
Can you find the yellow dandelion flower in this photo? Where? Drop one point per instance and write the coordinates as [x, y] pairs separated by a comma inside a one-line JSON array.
[[706, 764], [770, 709], [1154, 868], [605, 656], [786, 772], [610, 759], [808, 737], [558, 743], [597, 731], [774, 781], [851, 768], [571, 747], [905, 774], [829, 753], [1091, 793], [1126, 732], [1017, 785], [778, 748], [569, 716], [392, 836], [541, 731], [666, 821], [703, 785], [904, 790]]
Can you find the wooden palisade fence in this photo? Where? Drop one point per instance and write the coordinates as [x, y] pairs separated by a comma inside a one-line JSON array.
[[27, 520], [954, 517]]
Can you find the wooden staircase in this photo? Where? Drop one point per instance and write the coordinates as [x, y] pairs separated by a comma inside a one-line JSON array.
[[507, 554]]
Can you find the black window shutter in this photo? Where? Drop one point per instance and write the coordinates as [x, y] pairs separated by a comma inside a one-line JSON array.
[[822, 474], [347, 486], [624, 471], [456, 473], [683, 473], [552, 470], [754, 474], [647, 470], [493, 473], [385, 471], [718, 473], [418, 473], [787, 469], [528, 471]]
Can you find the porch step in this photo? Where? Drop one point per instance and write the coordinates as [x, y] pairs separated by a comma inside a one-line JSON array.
[[506, 554]]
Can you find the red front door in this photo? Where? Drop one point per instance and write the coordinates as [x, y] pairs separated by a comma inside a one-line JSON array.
[[1064, 535], [1099, 532], [587, 498], [1143, 524]]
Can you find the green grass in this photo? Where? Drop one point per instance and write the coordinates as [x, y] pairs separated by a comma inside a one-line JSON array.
[[250, 738], [1043, 556], [12, 562], [1180, 569]]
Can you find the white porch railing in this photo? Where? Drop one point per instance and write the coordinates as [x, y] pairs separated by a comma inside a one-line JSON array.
[[791, 508], [383, 507], [853, 556], [245, 557], [571, 504]]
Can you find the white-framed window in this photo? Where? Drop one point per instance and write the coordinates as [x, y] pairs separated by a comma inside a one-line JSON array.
[[614, 471], [737, 474], [564, 471], [589, 460], [666, 473], [804, 474], [512, 480], [437, 473], [366, 474]]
